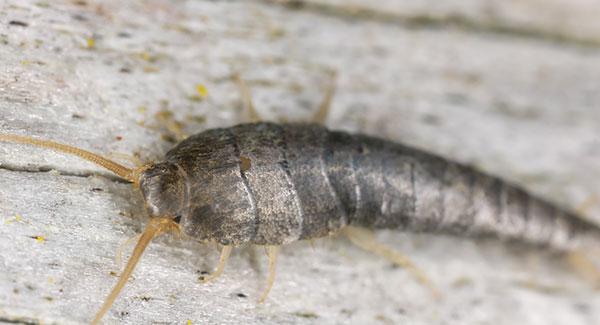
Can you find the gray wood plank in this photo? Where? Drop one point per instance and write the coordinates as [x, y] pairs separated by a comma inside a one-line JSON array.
[[521, 108]]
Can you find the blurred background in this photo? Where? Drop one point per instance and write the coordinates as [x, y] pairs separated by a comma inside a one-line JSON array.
[[510, 87]]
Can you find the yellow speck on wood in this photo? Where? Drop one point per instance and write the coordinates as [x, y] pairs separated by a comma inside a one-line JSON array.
[[201, 90], [276, 33], [40, 239], [148, 57], [90, 43], [145, 56], [189, 322], [16, 218]]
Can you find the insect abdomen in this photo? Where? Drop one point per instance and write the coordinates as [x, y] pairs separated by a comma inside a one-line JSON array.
[[361, 180], [402, 188]]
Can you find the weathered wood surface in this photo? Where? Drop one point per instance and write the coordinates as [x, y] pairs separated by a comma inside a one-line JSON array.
[[523, 107], [571, 21]]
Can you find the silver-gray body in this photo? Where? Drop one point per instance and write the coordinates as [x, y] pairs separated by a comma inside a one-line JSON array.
[[272, 184]]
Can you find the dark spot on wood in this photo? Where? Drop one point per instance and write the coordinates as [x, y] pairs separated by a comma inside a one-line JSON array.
[[241, 295], [80, 3], [125, 70], [347, 311], [455, 316], [18, 23], [245, 163], [476, 302], [119, 138], [124, 35], [77, 116], [96, 189], [431, 119], [145, 298], [49, 298], [295, 4], [394, 266], [79, 17], [457, 98], [582, 307], [168, 138], [113, 273]]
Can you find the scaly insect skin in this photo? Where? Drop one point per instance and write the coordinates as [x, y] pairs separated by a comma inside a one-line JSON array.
[[271, 184]]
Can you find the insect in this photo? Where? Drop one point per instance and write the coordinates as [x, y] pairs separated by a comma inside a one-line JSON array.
[[271, 184]]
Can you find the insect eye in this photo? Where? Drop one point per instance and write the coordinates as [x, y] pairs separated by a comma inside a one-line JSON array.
[[177, 218]]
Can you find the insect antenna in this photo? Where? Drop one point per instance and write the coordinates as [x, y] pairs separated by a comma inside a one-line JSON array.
[[129, 174], [155, 227]]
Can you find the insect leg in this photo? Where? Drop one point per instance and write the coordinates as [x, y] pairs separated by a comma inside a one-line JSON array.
[[320, 116], [584, 266], [167, 120], [225, 252], [580, 260], [584, 207], [272, 251], [251, 115], [365, 239]]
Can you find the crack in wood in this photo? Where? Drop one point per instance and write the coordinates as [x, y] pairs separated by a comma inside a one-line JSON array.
[[48, 169], [19, 320]]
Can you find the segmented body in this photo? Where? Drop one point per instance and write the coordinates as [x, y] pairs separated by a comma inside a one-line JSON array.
[[271, 184]]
